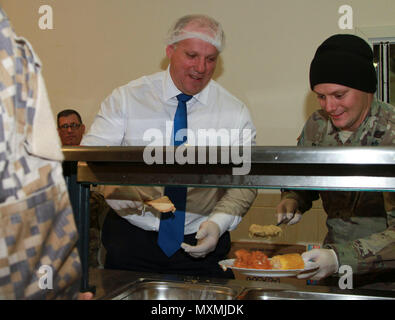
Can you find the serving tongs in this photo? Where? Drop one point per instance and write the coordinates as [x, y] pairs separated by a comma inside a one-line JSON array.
[[283, 221]]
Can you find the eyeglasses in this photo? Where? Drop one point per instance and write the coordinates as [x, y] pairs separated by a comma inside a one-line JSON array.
[[73, 126]]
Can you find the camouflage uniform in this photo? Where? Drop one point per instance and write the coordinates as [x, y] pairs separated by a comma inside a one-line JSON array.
[[37, 230], [98, 211], [361, 225]]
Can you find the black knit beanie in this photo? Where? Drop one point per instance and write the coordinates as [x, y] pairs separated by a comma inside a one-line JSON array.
[[344, 59]]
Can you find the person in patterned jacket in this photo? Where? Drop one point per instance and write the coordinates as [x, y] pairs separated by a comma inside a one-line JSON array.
[[38, 253], [361, 225]]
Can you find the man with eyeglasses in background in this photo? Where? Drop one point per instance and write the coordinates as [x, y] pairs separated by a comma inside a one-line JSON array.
[[70, 127]]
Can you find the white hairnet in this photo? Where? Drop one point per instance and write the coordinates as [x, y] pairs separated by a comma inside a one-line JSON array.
[[197, 26]]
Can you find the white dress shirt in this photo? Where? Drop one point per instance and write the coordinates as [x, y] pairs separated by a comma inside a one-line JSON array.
[[141, 113]]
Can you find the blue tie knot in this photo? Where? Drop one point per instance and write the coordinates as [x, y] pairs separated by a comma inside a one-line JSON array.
[[184, 97]]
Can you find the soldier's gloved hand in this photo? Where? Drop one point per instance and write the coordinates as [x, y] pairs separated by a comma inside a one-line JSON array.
[[287, 210], [325, 259], [207, 236]]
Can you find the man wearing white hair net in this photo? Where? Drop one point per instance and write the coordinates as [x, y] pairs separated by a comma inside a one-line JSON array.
[[142, 113]]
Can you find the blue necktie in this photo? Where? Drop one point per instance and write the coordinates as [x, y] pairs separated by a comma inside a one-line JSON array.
[[171, 229]]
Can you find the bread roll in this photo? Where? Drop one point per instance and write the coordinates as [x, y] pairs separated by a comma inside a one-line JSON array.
[[288, 261], [162, 204]]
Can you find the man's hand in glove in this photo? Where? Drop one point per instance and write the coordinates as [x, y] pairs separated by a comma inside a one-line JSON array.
[[287, 210], [207, 237], [325, 259]]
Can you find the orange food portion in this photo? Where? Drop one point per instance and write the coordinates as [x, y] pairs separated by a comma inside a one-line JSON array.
[[251, 260], [258, 260]]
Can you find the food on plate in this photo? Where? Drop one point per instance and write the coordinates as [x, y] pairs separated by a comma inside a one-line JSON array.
[[264, 231], [162, 204], [251, 259], [288, 261], [258, 260]]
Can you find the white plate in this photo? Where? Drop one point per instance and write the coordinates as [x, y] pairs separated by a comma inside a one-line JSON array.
[[310, 266]]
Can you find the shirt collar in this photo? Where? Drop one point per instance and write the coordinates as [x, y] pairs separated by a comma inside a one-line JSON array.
[[170, 90]]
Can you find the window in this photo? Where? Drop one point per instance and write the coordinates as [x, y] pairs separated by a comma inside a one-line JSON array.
[[382, 40], [384, 60]]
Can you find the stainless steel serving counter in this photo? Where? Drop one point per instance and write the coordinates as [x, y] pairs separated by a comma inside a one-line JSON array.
[[329, 168], [129, 285]]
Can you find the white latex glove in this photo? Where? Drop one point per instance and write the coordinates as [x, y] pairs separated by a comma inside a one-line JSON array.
[[325, 259], [287, 210], [207, 236]]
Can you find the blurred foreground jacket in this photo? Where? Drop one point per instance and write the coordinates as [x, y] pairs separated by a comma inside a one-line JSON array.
[[38, 253]]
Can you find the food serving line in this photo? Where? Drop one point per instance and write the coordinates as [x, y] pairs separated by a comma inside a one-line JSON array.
[[324, 168]]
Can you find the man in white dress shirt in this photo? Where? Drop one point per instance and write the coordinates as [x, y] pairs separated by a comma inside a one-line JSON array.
[[148, 105]]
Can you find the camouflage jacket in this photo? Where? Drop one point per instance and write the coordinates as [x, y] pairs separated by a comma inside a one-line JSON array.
[[38, 253], [361, 225]]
